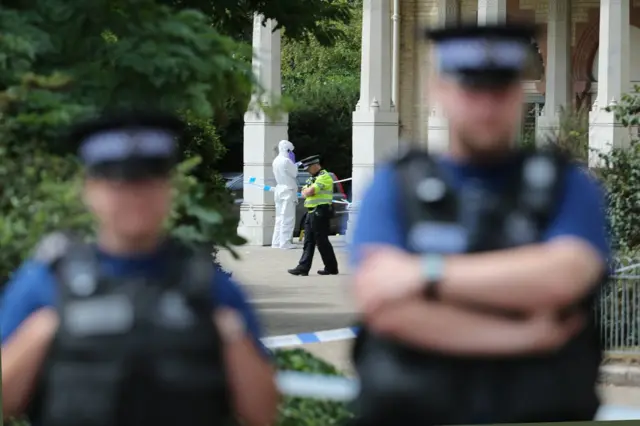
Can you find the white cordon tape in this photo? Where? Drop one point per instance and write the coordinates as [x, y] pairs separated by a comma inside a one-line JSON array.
[[316, 386], [341, 389]]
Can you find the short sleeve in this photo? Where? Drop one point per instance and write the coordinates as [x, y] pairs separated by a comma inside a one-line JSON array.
[[32, 287], [229, 294], [582, 212], [379, 216]]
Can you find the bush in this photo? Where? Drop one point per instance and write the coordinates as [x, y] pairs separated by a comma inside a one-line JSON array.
[[304, 411], [44, 203], [619, 168], [620, 172], [573, 135], [321, 123], [323, 83]]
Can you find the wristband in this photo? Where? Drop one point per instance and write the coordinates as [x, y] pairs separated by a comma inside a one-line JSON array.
[[432, 272]]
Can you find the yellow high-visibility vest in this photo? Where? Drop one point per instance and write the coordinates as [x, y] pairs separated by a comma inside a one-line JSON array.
[[323, 185]]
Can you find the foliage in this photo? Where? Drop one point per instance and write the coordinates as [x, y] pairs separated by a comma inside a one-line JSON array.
[[572, 136], [197, 217], [63, 60], [620, 172], [303, 411], [618, 168], [51, 204], [323, 84], [303, 19], [40, 195], [322, 124], [309, 62]]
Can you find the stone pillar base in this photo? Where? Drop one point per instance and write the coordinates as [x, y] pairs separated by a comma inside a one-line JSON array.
[[547, 128], [257, 223], [257, 212], [604, 135], [437, 134]]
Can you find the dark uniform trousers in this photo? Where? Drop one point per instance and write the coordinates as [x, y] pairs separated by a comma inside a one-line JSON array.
[[316, 232]]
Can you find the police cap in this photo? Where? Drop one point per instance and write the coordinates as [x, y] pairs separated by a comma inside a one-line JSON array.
[[483, 57], [306, 162], [128, 146]]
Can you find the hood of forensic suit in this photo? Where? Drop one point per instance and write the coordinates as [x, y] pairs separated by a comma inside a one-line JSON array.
[[284, 147]]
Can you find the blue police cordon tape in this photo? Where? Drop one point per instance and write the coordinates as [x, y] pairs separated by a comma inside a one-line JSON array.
[[268, 188], [305, 385], [306, 338], [342, 389]]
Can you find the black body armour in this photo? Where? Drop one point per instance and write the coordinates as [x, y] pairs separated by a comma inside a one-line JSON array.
[[134, 351], [402, 385]]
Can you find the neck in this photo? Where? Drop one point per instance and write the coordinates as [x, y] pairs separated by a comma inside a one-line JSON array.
[[457, 150], [121, 246], [460, 152]]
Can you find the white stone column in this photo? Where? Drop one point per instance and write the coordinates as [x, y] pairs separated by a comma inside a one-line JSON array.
[[261, 136], [492, 11], [375, 120], [558, 92], [613, 77], [438, 125]]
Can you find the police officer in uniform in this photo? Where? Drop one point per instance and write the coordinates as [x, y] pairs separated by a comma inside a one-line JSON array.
[[318, 199], [135, 329], [476, 271]]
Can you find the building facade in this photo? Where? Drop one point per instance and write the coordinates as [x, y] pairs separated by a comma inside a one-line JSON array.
[[589, 54]]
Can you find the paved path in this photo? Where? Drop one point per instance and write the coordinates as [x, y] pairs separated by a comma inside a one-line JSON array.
[[289, 304]]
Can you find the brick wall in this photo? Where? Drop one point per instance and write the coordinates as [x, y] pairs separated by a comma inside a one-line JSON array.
[[415, 64]]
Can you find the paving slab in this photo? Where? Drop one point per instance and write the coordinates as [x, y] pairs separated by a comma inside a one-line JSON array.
[[289, 304]]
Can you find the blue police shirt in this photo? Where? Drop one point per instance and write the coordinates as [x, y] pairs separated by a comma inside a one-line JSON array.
[[580, 214], [33, 287]]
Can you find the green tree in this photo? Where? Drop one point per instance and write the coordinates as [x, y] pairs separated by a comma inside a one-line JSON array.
[[62, 60], [322, 83], [303, 19], [307, 61]]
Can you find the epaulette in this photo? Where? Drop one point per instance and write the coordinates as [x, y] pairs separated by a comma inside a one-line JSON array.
[[52, 247]]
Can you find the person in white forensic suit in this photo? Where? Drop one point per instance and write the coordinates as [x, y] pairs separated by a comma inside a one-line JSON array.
[[285, 196]]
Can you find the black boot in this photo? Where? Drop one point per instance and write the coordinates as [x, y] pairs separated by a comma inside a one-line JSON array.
[[298, 271], [325, 272]]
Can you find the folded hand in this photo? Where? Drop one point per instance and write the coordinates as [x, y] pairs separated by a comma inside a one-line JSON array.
[[386, 274], [547, 332]]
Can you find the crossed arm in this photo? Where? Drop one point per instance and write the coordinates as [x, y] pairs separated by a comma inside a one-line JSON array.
[[536, 280], [322, 183], [504, 280]]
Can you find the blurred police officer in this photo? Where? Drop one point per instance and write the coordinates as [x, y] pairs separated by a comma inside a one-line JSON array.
[[475, 271], [135, 329], [318, 200]]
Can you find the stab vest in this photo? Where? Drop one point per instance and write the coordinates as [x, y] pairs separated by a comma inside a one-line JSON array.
[[134, 351], [402, 385]]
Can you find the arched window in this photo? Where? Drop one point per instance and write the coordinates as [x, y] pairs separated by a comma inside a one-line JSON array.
[[535, 68]]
